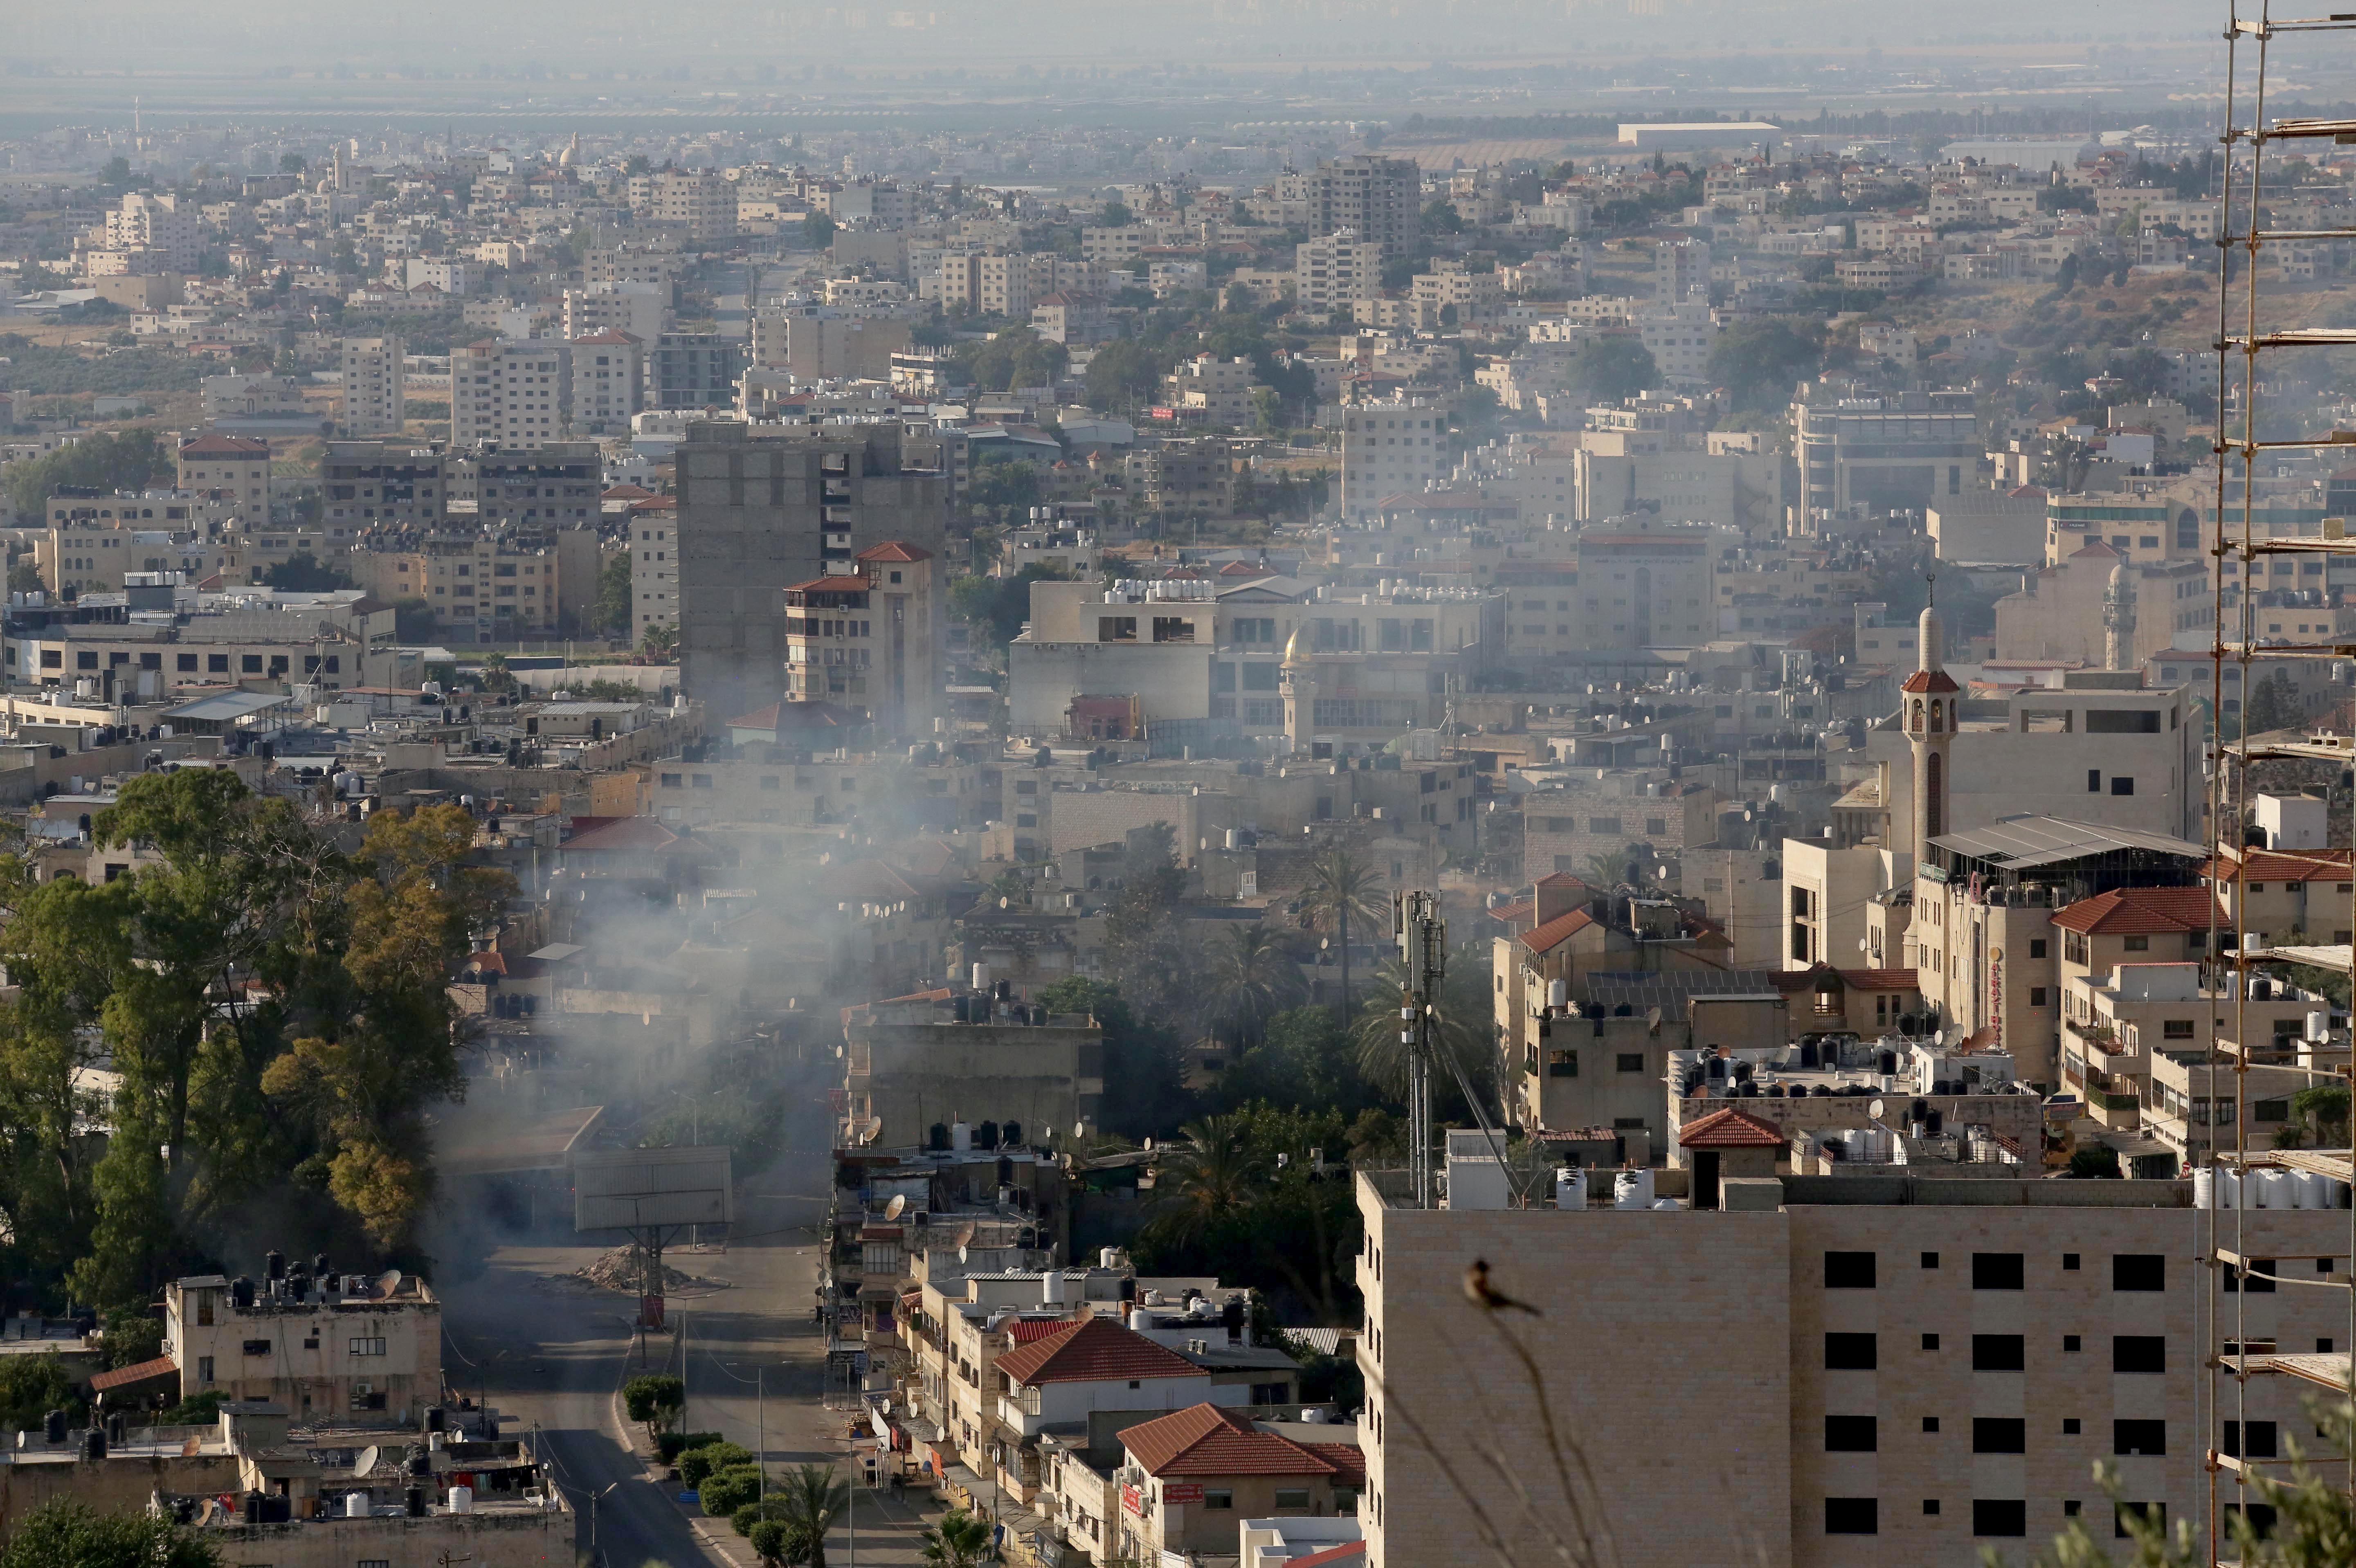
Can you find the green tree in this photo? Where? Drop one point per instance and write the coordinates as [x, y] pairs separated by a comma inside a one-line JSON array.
[[124, 460], [994, 608], [695, 1464], [817, 231], [1125, 374], [1114, 214], [655, 1401], [1215, 1173], [1145, 1088], [1252, 978], [292, 163], [776, 1541], [31, 1385], [1017, 357], [2273, 705], [1460, 1029], [613, 612], [1759, 362], [303, 574], [1440, 217], [1610, 368], [960, 1541], [813, 1499], [725, 1490], [1341, 886], [71, 1535]]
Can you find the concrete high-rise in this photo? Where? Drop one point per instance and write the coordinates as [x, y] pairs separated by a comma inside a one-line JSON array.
[[1377, 199], [759, 513], [373, 400]]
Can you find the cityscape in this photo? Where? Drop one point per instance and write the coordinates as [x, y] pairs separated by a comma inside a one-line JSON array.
[[841, 784]]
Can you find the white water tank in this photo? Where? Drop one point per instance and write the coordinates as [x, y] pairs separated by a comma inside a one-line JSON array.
[[1051, 1287], [356, 1505], [1632, 1190], [981, 978], [462, 1499], [960, 1137], [1557, 994], [1570, 1187], [2273, 1189], [1140, 1319], [2204, 1188]]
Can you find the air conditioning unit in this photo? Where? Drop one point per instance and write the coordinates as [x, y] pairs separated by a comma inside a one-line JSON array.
[[363, 1390]]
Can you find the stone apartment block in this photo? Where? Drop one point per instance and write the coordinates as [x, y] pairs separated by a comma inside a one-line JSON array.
[[375, 395], [869, 643], [1909, 1369], [233, 468], [349, 1345], [516, 393], [1331, 270], [1389, 448], [915, 1063], [758, 513]]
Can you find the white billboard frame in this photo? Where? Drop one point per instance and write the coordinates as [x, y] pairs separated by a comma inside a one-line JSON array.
[[652, 1189]]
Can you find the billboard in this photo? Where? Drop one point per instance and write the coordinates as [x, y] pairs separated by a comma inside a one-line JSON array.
[[618, 1189]]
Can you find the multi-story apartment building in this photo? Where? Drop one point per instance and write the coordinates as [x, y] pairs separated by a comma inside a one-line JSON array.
[[1644, 585], [657, 264], [653, 542], [378, 484], [1379, 200], [555, 485], [987, 284], [233, 468], [1208, 390], [1930, 1366], [693, 370], [1331, 270], [1390, 449], [826, 344], [487, 588], [513, 392], [700, 203], [642, 310], [869, 642], [758, 512], [375, 395], [608, 382], [347, 1345], [1680, 338], [162, 230], [1877, 453]]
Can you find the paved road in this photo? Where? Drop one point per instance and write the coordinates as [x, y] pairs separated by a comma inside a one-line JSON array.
[[554, 1357]]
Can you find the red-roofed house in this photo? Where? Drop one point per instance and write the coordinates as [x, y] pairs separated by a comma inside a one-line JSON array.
[[1195, 1474], [1096, 1364], [867, 641], [2305, 892], [1728, 1144]]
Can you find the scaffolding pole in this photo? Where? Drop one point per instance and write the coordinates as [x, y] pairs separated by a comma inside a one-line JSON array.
[[2246, 330]]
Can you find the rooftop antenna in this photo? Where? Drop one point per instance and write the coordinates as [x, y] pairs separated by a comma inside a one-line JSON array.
[[1423, 948], [1931, 588]]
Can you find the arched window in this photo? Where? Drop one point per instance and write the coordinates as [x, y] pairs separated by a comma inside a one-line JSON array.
[[1918, 716], [1934, 818], [1938, 718]]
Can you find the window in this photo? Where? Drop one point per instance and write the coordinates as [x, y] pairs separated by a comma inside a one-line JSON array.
[[1605, 824], [2136, 944], [672, 780], [1930, 1341], [1999, 1434], [2068, 1426], [2176, 1028], [1851, 1516], [2262, 1436], [2144, 1437], [1849, 1435], [375, 1562], [1930, 1260], [186, 663], [2139, 1271], [1850, 1353], [1997, 1271], [2093, 781], [2037, 947], [1929, 1423], [2070, 1262], [2138, 1354], [1848, 1271], [1999, 1353], [2121, 786], [1992, 1516], [2262, 1517], [2072, 1344], [204, 1368], [2153, 1514], [1218, 1499], [1930, 1508], [257, 1347], [368, 1347], [1631, 1060], [1295, 1498]]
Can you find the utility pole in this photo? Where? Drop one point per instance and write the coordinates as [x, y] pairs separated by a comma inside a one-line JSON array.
[[1423, 948]]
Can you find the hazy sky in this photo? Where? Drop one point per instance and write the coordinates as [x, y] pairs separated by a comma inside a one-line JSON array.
[[260, 36]]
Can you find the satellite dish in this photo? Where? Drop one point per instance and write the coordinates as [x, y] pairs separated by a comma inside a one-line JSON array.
[[872, 1130], [1653, 1020], [1860, 945], [897, 1207], [965, 1233], [366, 1464], [1874, 1108]]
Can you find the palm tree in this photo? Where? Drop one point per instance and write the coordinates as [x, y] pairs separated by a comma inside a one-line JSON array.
[[1214, 1176], [812, 1497], [1253, 978], [1460, 1026], [1342, 885], [960, 1541]]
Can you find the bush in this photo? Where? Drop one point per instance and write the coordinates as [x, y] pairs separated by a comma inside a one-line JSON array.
[[748, 1519], [654, 1401], [671, 1445], [700, 1462], [726, 1491], [197, 1410]]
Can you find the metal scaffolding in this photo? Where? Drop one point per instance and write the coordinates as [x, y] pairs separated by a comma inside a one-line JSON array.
[[2232, 1359]]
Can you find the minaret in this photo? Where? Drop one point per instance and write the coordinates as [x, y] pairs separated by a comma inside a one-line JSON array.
[[1298, 680], [2118, 621], [1930, 719]]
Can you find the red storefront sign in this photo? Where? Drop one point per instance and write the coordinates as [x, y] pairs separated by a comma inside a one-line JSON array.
[[1189, 1492], [1133, 1501]]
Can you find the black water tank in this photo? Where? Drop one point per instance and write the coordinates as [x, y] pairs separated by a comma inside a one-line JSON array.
[[116, 1427], [421, 1461], [274, 1265], [319, 1264], [252, 1508], [241, 1291], [435, 1421], [93, 1443], [414, 1499], [937, 1138], [53, 1426], [1932, 1122], [986, 1136], [1013, 1134]]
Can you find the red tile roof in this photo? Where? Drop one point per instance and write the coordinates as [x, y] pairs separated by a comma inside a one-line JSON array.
[[1511, 915], [1929, 681], [2140, 911], [893, 550], [624, 835], [1731, 1129], [1096, 1349], [1210, 1440], [1546, 937], [1561, 880], [1031, 1330], [2282, 866], [213, 445], [1331, 1554], [143, 1372]]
